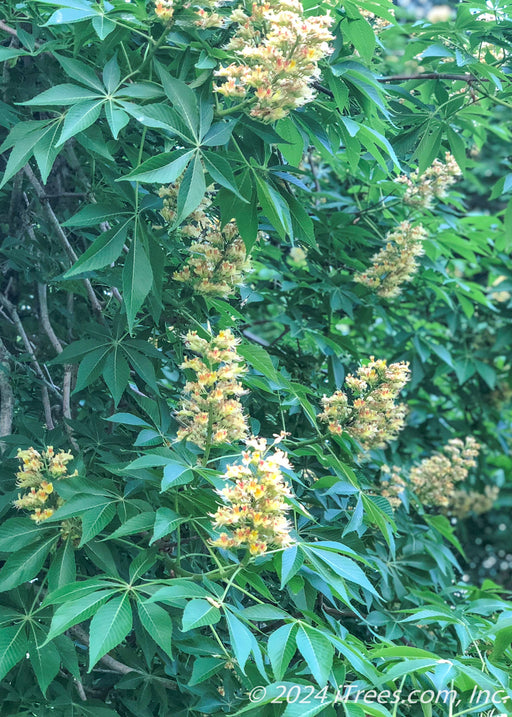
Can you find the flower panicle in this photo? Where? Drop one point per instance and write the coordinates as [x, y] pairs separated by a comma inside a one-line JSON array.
[[210, 411], [277, 50], [435, 479], [38, 471], [218, 260], [422, 190], [164, 10], [396, 263], [255, 500], [369, 414]]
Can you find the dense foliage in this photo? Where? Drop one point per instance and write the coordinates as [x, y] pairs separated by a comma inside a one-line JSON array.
[[255, 374]]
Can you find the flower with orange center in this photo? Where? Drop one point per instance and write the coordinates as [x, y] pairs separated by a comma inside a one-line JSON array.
[[256, 503], [210, 411]]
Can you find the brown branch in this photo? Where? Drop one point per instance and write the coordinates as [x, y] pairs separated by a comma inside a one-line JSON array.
[[107, 660], [68, 368], [11, 309], [9, 30], [80, 690], [47, 408], [114, 664], [6, 396], [43, 199], [45, 318], [466, 77], [404, 78]]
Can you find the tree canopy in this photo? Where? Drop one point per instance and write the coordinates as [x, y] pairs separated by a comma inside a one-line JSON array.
[[255, 374]]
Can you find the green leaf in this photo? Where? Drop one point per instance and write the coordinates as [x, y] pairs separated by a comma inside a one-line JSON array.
[[274, 208], [180, 589], [157, 622], [220, 171], [94, 214], [75, 591], [198, 613], [166, 520], [291, 562], [116, 118], [45, 661], [258, 358], [204, 668], [46, 151], [182, 97], [79, 71], [71, 613], [23, 149], [109, 626], [116, 374], [281, 648], [8, 53], [502, 642], [62, 569], [219, 134], [192, 189], [156, 115], [176, 474], [136, 524], [103, 251], [61, 95], [78, 118], [137, 279], [111, 75], [241, 639], [317, 651], [343, 567], [25, 564], [102, 26], [90, 368], [95, 519], [16, 533], [13, 647], [162, 169]]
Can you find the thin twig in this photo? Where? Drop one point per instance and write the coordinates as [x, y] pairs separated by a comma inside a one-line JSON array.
[[80, 690], [466, 77], [6, 396], [43, 199], [68, 368], [11, 309]]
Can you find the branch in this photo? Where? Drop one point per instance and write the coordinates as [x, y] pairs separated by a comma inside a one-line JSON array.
[[108, 661], [432, 76], [9, 30], [45, 318], [28, 346], [43, 199], [114, 664], [404, 78], [68, 369], [6, 396]]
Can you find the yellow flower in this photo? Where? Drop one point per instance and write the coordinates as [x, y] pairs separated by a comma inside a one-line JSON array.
[[277, 50], [36, 469], [256, 502], [395, 264], [209, 412], [370, 414], [432, 184]]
